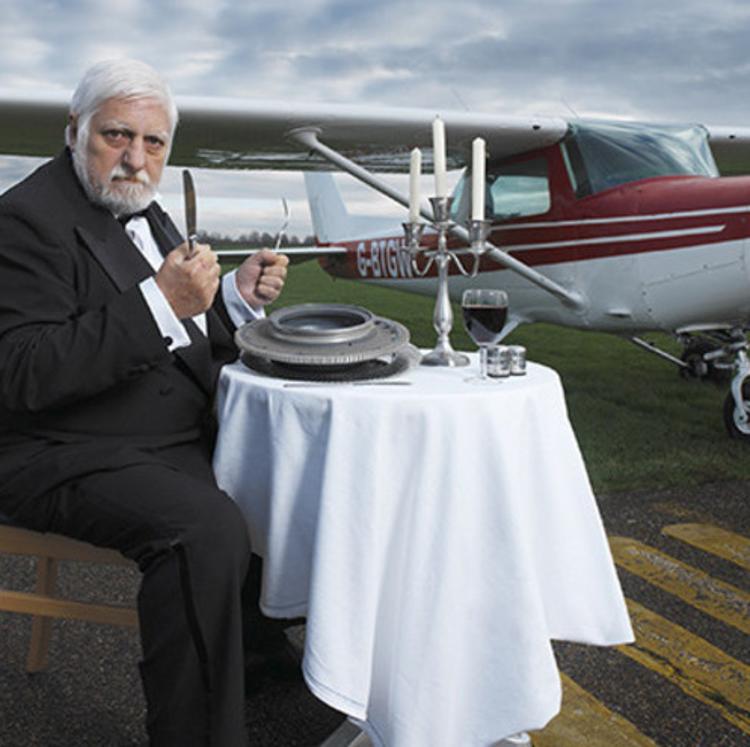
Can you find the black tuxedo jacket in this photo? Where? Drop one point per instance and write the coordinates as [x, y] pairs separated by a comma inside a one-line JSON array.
[[86, 380]]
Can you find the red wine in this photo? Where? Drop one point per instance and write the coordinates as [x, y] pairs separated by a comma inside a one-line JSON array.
[[484, 323]]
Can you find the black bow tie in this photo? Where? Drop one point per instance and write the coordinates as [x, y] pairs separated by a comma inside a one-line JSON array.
[[124, 219]]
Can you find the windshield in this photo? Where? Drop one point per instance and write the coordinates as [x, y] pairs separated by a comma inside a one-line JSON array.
[[602, 155]]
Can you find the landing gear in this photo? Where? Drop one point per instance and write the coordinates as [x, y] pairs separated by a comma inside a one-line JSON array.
[[706, 360], [733, 416], [737, 402], [716, 355]]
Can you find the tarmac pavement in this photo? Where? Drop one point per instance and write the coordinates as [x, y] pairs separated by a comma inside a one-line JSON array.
[[90, 696], [685, 683], [686, 680]]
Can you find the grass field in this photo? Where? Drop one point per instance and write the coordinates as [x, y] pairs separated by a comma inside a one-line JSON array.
[[638, 423]]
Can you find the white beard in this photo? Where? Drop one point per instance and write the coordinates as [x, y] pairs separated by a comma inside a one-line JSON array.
[[115, 194]]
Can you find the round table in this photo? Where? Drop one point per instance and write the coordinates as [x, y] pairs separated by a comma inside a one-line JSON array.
[[438, 535]]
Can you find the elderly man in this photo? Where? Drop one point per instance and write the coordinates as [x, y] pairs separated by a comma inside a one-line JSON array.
[[111, 336]]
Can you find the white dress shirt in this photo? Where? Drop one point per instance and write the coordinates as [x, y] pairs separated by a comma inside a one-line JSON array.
[[171, 328]]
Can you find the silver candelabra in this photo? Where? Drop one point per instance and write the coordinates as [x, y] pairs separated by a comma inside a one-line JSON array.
[[443, 353]]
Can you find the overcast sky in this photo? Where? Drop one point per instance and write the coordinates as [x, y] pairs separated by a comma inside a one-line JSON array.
[[642, 59]]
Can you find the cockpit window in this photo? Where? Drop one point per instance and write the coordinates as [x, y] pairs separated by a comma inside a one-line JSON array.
[[513, 190], [518, 189], [603, 155]]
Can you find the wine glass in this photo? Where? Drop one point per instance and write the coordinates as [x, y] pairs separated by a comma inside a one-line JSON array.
[[484, 311]]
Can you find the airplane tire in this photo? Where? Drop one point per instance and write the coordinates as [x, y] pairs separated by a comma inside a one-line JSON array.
[[733, 426]]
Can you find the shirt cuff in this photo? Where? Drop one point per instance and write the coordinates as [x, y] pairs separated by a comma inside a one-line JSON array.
[[171, 328], [239, 310]]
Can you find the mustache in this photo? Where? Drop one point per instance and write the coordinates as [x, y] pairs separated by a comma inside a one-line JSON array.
[[120, 172]]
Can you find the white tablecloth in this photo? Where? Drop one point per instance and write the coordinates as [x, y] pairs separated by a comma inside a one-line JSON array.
[[437, 536]]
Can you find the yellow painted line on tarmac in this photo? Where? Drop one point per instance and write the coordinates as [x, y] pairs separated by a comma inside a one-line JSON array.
[[583, 720], [718, 599], [700, 669], [712, 539], [683, 513]]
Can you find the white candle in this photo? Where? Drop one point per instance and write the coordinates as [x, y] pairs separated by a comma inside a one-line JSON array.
[[438, 148], [415, 172], [477, 178]]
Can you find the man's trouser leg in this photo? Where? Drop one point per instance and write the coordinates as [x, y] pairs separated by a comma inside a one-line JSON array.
[[191, 543]]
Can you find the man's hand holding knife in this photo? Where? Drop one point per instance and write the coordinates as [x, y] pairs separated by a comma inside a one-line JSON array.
[[190, 274]]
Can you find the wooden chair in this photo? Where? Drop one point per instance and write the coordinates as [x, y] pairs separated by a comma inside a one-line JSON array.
[[43, 603]]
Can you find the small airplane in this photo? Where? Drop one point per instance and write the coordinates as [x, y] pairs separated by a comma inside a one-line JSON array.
[[604, 225]]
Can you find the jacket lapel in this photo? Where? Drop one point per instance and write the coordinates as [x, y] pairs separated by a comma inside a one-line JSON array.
[[104, 238], [163, 228], [197, 356], [98, 231], [168, 237], [116, 254]]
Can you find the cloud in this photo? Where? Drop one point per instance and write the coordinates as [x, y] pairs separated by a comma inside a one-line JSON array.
[[646, 59]]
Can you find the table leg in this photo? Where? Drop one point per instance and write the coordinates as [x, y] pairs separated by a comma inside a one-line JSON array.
[[347, 735], [522, 739]]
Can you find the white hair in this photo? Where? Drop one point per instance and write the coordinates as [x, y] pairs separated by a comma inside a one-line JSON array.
[[115, 79], [121, 79]]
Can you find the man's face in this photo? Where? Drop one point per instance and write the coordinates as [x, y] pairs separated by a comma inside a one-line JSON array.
[[122, 158]]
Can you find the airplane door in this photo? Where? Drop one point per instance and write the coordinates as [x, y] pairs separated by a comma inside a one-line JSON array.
[[520, 202]]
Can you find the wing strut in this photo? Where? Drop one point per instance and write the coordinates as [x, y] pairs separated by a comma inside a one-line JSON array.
[[308, 136]]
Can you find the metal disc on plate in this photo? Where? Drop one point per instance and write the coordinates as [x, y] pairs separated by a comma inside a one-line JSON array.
[[377, 368], [321, 335], [312, 323]]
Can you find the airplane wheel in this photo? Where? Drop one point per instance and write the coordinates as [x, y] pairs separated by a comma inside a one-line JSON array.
[[736, 428], [698, 368]]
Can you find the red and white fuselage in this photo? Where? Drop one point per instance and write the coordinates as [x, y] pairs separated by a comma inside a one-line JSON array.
[[661, 253]]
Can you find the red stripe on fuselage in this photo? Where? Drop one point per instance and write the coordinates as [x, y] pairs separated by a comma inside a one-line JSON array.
[[660, 214], [543, 246], [571, 243]]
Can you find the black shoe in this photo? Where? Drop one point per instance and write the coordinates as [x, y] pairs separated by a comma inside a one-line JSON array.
[[285, 663], [282, 664], [265, 635]]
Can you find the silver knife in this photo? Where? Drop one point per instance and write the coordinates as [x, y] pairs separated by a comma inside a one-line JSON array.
[[191, 220]]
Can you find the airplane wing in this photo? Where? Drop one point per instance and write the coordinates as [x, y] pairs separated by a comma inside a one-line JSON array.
[[296, 254], [252, 134], [731, 149]]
